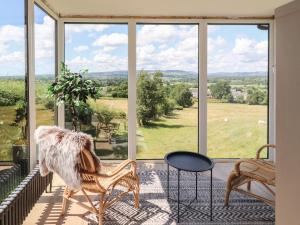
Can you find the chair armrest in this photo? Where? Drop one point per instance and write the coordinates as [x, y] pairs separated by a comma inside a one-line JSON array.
[[262, 148], [122, 166], [253, 162]]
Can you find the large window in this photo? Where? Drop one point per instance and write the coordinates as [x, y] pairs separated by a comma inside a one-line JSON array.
[[45, 66], [103, 50], [13, 102], [167, 89], [237, 116]]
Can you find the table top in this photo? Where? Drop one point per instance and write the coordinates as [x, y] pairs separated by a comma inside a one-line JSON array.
[[189, 161]]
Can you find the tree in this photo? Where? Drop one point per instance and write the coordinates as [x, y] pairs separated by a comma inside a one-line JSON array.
[[150, 96], [72, 89], [221, 90], [182, 95], [256, 96], [120, 90]]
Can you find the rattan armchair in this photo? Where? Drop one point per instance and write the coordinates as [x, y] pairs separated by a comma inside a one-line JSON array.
[[103, 183], [252, 170]]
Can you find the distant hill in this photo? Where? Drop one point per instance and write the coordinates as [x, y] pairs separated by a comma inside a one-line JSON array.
[[124, 74], [171, 74], [179, 74], [238, 74]]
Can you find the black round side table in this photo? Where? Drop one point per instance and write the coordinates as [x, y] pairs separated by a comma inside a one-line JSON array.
[[190, 162]]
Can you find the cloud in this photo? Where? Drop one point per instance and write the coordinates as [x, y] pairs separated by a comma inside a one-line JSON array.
[[173, 48], [213, 43], [113, 39], [45, 46], [212, 28], [246, 55], [108, 49], [12, 50], [9, 36], [99, 63], [16, 56], [45, 39], [81, 48], [90, 30], [156, 34]]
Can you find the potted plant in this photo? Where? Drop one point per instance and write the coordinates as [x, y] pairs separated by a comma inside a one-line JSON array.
[[73, 90]]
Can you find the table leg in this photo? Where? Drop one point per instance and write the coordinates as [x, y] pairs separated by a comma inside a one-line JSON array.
[[196, 186], [211, 175], [178, 195], [168, 181]]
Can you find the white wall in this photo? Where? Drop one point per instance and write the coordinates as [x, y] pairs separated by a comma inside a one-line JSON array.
[[288, 114]]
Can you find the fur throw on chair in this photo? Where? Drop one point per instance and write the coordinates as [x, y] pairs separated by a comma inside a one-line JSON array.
[[59, 152]]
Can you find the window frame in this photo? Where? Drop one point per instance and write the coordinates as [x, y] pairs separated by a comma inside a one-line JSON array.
[[270, 41], [52, 16], [61, 121], [198, 71], [202, 60], [30, 56]]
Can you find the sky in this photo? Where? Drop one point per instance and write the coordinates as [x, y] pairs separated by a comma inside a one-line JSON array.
[[104, 47]]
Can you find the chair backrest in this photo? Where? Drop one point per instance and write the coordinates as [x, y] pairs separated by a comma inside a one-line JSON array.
[[87, 161]]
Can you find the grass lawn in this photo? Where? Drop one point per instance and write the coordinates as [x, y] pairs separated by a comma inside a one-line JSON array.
[[44, 116], [176, 132], [234, 131], [113, 103], [8, 131]]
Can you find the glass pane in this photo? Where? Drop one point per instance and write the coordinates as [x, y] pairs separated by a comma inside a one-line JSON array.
[[103, 50], [167, 89], [13, 101], [237, 90], [44, 66]]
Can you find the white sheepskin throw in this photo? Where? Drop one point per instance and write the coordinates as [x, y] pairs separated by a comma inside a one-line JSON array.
[[59, 152]]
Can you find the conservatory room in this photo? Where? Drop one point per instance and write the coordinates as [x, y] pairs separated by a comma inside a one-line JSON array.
[[149, 112]]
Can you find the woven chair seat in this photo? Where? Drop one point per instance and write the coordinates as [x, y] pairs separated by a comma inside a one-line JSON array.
[[257, 171]]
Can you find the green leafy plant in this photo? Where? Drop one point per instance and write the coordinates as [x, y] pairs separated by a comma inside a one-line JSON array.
[[72, 89]]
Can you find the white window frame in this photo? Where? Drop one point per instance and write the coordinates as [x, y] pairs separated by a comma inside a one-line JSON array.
[[202, 60]]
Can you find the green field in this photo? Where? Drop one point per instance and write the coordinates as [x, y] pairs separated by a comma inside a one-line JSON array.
[[10, 131], [234, 130]]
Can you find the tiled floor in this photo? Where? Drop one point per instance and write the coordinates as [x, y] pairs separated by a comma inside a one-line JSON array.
[[48, 208]]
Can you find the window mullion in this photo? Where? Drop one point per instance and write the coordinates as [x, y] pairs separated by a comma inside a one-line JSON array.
[[132, 90], [203, 87]]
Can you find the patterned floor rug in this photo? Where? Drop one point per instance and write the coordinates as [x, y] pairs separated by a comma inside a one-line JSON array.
[[155, 209]]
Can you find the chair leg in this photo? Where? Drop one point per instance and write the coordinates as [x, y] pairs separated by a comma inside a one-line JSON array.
[[65, 200], [229, 188], [101, 209], [249, 185], [136, 196]]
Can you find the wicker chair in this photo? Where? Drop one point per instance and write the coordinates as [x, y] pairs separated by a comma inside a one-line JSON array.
[[124, 176], [252, 170]]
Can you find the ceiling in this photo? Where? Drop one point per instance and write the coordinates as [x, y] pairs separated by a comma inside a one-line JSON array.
[[213, 8]]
